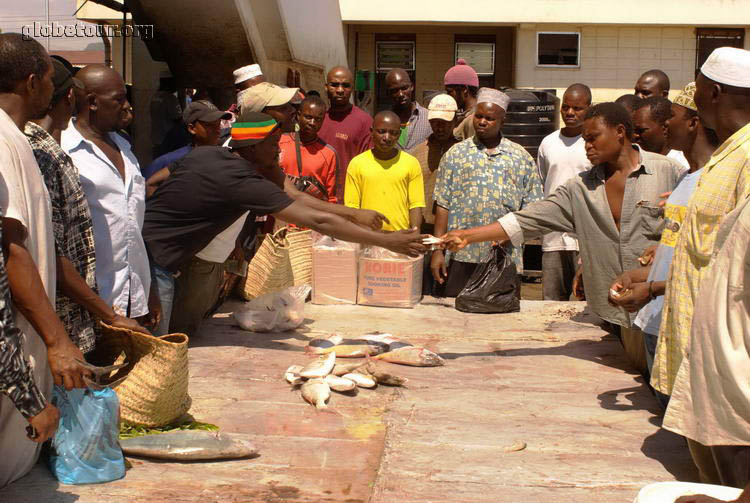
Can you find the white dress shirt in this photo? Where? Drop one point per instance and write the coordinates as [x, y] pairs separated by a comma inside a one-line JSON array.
[[117, 210]]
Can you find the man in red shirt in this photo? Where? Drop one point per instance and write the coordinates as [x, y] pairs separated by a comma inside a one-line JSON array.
[[304, 154], [346, 128]]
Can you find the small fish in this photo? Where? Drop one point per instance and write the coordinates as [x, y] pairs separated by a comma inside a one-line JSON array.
[[322, 346], [361, 380], [384, 377], [344, 368], [317, 392], [413, 356], [292, 375], [518, 445], [614, 293], [337, 383], [320, 367], [188, 445]]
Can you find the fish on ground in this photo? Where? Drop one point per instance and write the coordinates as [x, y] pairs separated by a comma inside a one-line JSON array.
[[413, 356], [344, 368], [317, 392], [320, 345], [361, 380], [382, 377], [386, 339], [350, 348], [190, 445], [320, 367], [292, 375], [337, 383]]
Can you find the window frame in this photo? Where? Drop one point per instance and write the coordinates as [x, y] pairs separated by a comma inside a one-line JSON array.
[[379, 43], [477, 43], [578, 50]]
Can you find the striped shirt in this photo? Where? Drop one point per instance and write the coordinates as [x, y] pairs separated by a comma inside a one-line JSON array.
[[724, 184]]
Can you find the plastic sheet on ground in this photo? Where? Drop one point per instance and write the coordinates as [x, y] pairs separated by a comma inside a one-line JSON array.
[[274, 312]]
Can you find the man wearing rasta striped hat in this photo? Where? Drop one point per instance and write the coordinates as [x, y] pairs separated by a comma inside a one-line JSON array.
[[248, 178]]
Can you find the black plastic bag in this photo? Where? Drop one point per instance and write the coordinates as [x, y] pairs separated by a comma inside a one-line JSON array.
[[493, 288]]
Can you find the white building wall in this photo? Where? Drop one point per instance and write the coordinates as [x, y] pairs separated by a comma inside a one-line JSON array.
[[612, 57]]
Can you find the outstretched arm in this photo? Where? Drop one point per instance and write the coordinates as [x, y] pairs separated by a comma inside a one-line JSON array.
[[298, 213]]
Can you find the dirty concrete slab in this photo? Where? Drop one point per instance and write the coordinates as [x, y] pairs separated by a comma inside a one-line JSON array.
[[547, 378]]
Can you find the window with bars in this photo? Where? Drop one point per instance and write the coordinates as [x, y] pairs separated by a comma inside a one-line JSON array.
[[708, 39]]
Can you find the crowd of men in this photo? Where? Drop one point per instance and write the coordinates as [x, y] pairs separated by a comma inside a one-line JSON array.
[[641, 204]]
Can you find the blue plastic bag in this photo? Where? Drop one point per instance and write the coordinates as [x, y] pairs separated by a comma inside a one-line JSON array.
[[85, 447]]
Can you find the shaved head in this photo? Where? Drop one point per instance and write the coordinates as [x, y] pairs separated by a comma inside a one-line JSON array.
[[652, 83], [339, 87], [397, 75], [386, 116], [340, 72], [580, 90], [106, 103]]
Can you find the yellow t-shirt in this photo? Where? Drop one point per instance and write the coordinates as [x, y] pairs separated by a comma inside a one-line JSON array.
[[392, 187]]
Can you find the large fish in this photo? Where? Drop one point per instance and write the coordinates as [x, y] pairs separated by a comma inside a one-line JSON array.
[[322, 346], [317, 392], [189, 445], [413, 356], [320, 367], [352, 348], [386, 339]]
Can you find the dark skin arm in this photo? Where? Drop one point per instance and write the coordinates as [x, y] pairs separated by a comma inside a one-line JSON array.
[[365, 218], [459, 239], [437, 262], [155, 180], [298, 213], [31, 300], [415, 218], [74, 286]]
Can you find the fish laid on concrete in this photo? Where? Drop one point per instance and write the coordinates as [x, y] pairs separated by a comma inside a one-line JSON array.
[[414, 356], [322, 346], [344, 368], [386, 339], [337, 383], [352, 348], [292, 375], [317, 392], [320, 367], [190, 445], [361, 380], [382, 377]]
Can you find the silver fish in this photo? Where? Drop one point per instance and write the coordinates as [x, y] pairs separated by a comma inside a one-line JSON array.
[[317, 392], [344, 368], [361, 380], [337, 383], [320, 367], [292, 375], [188, 445]]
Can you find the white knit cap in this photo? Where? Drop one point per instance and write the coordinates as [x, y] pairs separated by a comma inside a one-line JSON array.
[[246, 73], [728, 65]]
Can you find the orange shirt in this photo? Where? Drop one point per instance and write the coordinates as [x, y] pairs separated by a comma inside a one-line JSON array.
[[318, 160]]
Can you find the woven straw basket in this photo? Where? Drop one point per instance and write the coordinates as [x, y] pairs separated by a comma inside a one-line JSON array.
[[270, 269], [300, 255], [155, 392]]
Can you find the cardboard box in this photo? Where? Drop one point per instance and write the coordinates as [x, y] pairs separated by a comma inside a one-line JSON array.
[[389, 279], [334, 271]]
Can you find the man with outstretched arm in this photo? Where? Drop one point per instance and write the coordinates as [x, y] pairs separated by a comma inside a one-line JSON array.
[[248, 179], [612, 209]]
